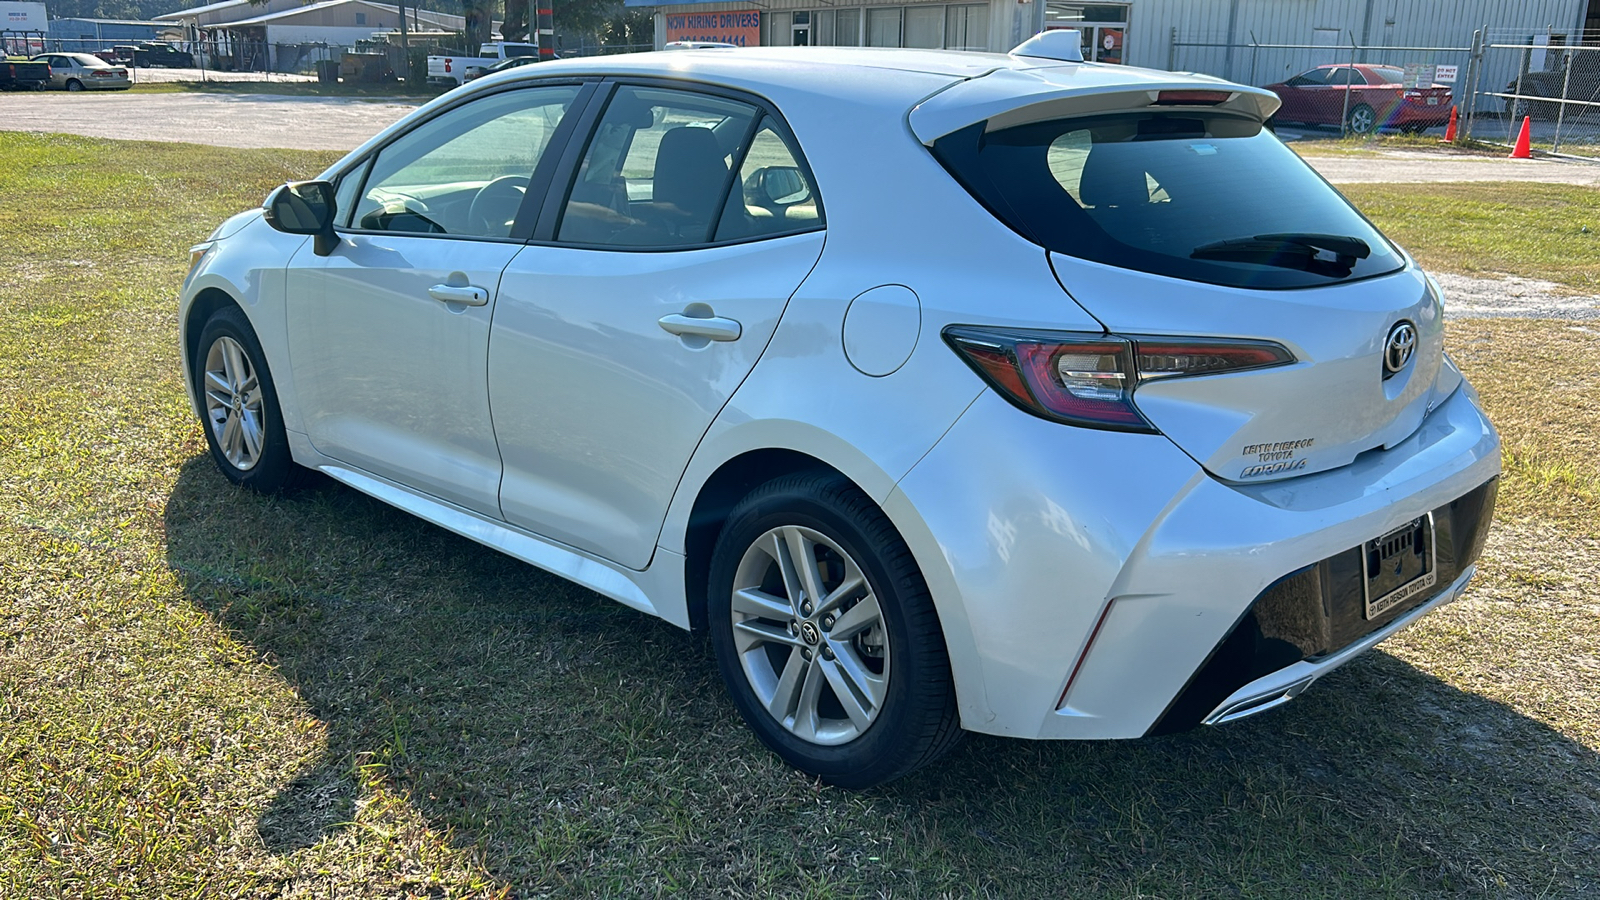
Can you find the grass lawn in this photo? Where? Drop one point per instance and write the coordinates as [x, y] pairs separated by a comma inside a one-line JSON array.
[[208, 693], [1548, 231]]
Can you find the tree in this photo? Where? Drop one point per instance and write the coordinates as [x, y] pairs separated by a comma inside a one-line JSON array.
[[515, 27], [480, 22]]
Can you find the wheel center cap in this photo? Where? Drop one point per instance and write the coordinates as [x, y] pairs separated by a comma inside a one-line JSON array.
[[809, 632]]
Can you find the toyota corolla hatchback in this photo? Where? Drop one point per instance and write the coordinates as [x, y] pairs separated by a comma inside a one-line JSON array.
[[946, 391]]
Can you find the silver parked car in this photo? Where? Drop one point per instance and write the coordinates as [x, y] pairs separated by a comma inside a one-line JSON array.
[[946, 391], [82, 72]]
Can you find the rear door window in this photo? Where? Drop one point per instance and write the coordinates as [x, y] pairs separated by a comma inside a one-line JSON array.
[[1201, 196], [657, 169]]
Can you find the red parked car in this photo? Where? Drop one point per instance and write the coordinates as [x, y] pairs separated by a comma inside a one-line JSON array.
[[1377, 99]]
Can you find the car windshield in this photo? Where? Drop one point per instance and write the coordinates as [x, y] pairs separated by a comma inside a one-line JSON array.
[[1389, 74], [87, 61], [1201, 196]]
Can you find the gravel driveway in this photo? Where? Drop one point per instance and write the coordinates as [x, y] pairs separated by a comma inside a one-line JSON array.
[[224, 120]]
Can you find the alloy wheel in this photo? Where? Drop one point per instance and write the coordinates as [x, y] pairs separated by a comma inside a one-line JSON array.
[[233, 403], [810, 635], [1362, 120]]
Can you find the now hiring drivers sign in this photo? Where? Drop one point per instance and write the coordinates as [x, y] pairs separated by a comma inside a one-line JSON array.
[[741, 27]]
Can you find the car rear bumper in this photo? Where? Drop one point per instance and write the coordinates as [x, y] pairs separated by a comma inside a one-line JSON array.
[[1276, 688], [1100, 574]]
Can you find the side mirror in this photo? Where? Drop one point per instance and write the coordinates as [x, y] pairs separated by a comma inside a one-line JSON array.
[[783, 185], [304, 207]]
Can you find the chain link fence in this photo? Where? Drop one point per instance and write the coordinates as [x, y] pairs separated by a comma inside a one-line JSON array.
[[1556, 90], [1494, 79]]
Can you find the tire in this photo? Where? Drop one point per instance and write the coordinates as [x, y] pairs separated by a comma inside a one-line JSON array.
[[880, 642], [238, 399], [74, 85], [1361, 120]]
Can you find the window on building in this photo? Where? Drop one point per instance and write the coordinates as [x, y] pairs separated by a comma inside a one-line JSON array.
[[361, 18], [930, 26], [1104, 27], [966, 27], [924, 27], [822, 27], [883, 27], [847, 28]]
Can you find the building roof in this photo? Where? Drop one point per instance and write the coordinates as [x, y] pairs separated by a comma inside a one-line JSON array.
[[151, 23], [426, 15], [195, 11]]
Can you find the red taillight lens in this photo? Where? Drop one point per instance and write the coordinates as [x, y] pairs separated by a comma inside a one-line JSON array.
[[1089, 379], [1192, 98]]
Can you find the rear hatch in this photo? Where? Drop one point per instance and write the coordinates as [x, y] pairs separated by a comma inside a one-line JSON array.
[[1169, 212]]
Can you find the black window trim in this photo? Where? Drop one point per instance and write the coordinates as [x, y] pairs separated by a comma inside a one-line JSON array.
[[549, 220], [559, 140]]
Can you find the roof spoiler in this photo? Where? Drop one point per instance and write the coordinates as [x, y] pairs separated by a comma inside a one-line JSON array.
[[1062, 44], [1011, 97]]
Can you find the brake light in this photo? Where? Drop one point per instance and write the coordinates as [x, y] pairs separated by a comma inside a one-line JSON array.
[[1192, 98], [1089, 379]]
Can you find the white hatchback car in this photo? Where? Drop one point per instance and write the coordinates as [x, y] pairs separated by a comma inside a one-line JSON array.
[[949, 391]]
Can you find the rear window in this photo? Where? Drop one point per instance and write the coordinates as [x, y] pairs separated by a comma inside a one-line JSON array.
[[1212, 198]]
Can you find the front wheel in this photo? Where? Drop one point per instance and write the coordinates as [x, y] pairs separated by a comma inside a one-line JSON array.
[[242, 419], [826, 636], [1362, 120]]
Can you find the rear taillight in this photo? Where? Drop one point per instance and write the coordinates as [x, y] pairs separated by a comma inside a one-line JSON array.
[[1089, 379]]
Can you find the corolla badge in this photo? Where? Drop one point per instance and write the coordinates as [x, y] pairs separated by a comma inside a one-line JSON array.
[[1399, 348]]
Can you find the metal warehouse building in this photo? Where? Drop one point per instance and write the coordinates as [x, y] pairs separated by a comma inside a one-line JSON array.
[[1238, 39]]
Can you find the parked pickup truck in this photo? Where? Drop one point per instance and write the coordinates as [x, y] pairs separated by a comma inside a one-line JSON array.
[[23, 74], [452, 70]]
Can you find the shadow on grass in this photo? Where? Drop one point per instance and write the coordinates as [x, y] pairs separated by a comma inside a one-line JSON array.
[[582, 749]]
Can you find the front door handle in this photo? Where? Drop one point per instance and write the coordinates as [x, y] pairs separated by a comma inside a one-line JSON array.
[[713, 328], [466, 296]]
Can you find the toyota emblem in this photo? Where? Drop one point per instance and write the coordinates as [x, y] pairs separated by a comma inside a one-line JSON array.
[[1399, 348]]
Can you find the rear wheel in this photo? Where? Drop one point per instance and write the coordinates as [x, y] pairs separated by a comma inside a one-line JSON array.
[[243, 422], [74, 84], [1362, 120], [825, 634]]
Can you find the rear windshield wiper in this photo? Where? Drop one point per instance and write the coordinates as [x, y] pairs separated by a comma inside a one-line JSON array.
[[1290, 251]]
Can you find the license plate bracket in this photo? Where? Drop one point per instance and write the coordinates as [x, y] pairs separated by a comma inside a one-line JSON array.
[[1399, 566]]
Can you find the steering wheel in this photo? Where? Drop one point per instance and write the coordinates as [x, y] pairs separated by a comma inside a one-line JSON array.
[[495, 205]]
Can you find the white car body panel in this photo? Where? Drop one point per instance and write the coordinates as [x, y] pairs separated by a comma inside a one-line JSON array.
[[1048, 549], [597, 409], [392, 380]]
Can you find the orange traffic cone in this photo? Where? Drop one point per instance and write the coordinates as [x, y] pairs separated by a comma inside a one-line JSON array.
[[1450, 132], [1524, 148]]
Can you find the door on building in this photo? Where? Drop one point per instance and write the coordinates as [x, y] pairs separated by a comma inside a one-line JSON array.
[[1104, 27]]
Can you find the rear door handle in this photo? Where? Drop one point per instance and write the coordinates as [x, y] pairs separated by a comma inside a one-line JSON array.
[[466, 296], [713, 328]]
